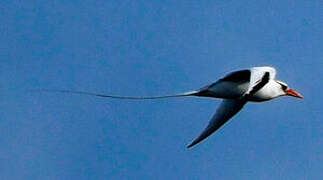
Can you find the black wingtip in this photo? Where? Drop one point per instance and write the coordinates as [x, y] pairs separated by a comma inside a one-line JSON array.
[[191, 145]]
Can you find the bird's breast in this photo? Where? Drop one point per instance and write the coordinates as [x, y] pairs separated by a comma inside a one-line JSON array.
[[269, 91]]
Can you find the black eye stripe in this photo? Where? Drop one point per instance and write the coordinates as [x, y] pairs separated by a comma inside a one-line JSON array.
[[284, 87]]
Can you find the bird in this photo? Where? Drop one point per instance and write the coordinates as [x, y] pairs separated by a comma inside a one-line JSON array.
[[255, 84]]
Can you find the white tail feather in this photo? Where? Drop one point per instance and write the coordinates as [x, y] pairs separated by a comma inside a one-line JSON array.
[[190, 93]]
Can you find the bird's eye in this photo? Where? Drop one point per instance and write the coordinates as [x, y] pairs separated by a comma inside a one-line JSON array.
[[284, 87]]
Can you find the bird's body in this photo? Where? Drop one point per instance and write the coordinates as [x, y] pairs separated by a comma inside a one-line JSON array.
[[256, 84], [235, 90], [238, 84]]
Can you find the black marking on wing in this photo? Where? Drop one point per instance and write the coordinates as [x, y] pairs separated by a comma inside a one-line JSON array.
[[234, 77], [264, 80], [238, 76]]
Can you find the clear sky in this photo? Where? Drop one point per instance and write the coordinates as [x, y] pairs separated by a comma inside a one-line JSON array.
[[154, 48]]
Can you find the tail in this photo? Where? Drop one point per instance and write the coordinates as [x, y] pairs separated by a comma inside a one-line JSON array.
[[190, 93]]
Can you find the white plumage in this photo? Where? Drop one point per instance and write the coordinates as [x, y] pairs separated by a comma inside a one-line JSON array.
[[256, 84]]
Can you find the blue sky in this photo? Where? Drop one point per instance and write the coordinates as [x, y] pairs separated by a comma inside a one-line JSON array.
[[155, 48]]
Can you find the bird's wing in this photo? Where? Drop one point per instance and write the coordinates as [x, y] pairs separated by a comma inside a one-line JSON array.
[[259, 78], [226, 111]]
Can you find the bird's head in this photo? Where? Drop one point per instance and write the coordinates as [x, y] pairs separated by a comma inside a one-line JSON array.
[[286, 91]]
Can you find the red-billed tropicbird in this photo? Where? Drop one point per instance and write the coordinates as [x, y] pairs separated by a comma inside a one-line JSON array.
[[256, 84]]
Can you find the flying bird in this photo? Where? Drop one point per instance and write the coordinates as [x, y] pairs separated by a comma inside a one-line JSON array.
[[256, 84]]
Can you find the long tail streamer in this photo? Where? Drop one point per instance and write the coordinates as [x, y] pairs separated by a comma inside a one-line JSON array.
[[191, 93]]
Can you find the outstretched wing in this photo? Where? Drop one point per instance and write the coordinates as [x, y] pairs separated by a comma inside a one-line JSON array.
[[226, 111], [259, 78]]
